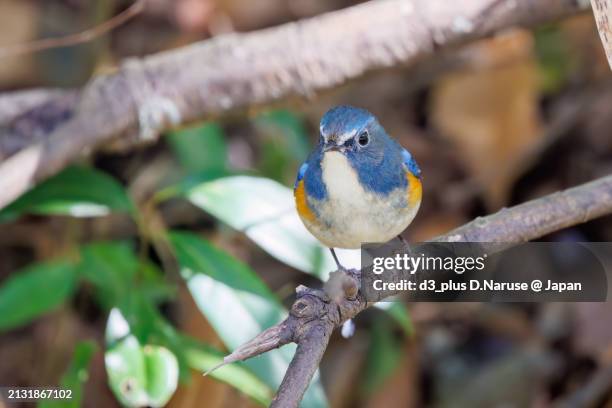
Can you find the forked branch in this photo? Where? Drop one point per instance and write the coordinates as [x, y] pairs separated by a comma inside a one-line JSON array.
[[316, 313]]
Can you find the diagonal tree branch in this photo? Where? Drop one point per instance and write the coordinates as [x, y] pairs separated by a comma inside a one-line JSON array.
[[235, 71], [316, 313]]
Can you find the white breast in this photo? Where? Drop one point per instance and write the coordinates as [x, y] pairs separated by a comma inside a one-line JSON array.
[[352, 216], [341, 179]]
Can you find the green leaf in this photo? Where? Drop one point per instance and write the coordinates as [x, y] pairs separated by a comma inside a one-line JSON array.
[[192, 180], [201, 148], [397, 311], [215, 278], [115, 271], [75, 377], [148, 325], [139, 375], [76, 191], [265, 211], [121, 280], [34, 291], [162, 374], [202, 358], [153, 285], [238, 305], [110, 267]]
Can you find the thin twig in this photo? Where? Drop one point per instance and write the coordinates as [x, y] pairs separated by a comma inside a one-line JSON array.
[[74, 39]]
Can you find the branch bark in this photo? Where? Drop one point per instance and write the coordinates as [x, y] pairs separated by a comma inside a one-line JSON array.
[[315, 314], [146, 96], [602, 10]]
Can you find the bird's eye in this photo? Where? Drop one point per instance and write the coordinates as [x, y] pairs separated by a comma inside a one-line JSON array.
[[364, 138]]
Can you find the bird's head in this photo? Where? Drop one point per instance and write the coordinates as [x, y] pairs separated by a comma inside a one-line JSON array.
[[354, 132]]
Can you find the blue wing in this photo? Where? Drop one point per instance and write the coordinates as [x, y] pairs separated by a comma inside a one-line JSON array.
[[300, 174], [410, 163]]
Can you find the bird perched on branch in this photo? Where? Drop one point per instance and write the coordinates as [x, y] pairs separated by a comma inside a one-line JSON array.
[[358, 185]]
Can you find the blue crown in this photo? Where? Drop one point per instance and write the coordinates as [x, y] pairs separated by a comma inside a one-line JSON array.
[[344, 119]]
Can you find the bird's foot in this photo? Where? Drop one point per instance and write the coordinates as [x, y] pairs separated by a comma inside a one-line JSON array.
[[340, 267]]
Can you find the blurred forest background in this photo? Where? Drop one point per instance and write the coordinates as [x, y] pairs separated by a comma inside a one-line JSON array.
[[137, 269]]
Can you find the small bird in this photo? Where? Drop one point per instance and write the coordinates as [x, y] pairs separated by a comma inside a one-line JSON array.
[[358, 185]]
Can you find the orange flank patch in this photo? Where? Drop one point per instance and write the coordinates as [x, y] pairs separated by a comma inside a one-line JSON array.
[[301, 202], [415, 189]]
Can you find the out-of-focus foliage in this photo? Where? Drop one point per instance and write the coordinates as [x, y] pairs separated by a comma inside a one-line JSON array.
[[33, 291], [265, 211], [139, 375], [283, 146], [145, 356], [200, 149], [111, 267], [76, 191], [75, 377]]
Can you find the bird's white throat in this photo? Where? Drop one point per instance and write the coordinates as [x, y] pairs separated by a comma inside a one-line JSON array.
[[340, 178]]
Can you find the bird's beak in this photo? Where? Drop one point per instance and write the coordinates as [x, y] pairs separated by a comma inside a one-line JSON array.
[[330, 147], [333, 148]]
